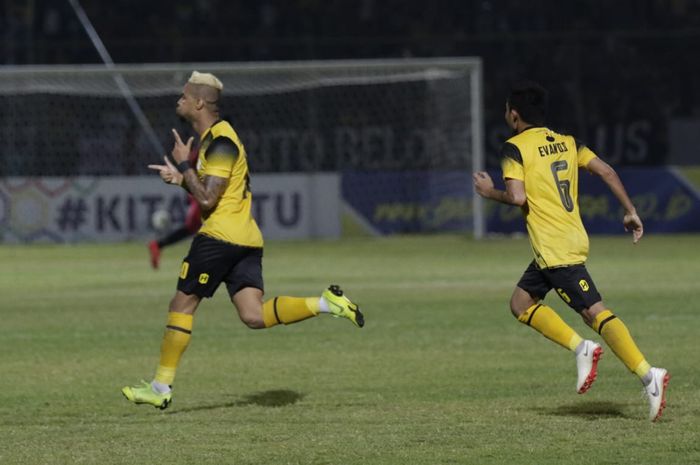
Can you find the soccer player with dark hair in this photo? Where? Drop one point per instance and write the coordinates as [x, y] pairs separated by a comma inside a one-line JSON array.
[[228, 247], [540, 169]]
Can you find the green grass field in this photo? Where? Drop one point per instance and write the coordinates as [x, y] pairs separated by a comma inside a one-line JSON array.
[[441, 373]]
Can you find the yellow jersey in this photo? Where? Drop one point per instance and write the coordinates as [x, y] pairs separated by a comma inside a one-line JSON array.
[[222, 154], [548, 163]]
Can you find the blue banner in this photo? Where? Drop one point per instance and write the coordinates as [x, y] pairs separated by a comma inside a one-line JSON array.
[[437, 201], [410, 201], [664, 202]]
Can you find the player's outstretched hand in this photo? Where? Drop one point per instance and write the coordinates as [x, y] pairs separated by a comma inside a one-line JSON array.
[[168, 172], [634, 224]]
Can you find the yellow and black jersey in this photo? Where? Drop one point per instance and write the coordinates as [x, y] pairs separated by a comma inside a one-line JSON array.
[[222, 154], [548, 164]]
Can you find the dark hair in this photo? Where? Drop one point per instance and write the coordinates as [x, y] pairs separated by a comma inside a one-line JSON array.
[[529, 99]]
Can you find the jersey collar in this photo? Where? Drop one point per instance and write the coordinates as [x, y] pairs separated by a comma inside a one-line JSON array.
[[205, 133], [531, 127]]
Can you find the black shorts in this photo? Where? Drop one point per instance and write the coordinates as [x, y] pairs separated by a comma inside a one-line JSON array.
[[211, 262], [573, 284]]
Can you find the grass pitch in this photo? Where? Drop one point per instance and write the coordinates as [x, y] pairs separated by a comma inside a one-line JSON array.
[[441, 373]]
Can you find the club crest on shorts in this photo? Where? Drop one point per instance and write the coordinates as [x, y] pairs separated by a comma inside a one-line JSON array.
[[584, 285]]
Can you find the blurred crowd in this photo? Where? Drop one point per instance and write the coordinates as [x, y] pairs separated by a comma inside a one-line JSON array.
[[47, 31], [620, 71]]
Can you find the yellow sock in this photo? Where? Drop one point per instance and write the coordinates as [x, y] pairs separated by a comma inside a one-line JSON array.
[[618, 337], [289, 310], [178, 333], [550, 325]]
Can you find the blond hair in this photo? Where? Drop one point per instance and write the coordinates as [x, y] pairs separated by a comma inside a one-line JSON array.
[[206, 79]]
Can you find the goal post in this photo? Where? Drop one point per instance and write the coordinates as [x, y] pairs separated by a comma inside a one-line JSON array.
[[408, 132]]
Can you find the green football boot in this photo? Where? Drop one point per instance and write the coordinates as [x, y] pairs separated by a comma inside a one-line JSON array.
[[144, 394], [341, 306]]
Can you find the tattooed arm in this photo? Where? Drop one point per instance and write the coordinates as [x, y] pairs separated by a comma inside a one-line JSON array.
[[206, 192]]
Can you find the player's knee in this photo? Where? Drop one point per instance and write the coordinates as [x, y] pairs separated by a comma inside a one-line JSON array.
[[516, 308], [589, 314], [515, 312], [252, 322], [184, 303], [252, 318], [520, 301]]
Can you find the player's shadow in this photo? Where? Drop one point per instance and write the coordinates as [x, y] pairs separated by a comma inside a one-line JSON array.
[[272, 398], [586, 410]]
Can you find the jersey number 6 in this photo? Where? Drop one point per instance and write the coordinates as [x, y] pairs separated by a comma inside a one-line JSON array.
[[563, 185]]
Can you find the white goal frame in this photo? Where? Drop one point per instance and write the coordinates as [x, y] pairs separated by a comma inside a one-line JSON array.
[[329, 72]]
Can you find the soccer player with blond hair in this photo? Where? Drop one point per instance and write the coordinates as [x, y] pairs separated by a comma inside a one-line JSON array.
[[540, 169], [229, 245]]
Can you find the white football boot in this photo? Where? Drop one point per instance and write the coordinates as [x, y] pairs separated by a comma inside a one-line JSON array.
[[656, 392], [587, 365]]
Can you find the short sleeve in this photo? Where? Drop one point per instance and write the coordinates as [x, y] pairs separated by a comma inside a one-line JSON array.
[[584, 154], [512, 162], [221, 156]]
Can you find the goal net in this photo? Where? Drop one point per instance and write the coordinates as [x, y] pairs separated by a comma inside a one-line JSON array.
[[403, 134]]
